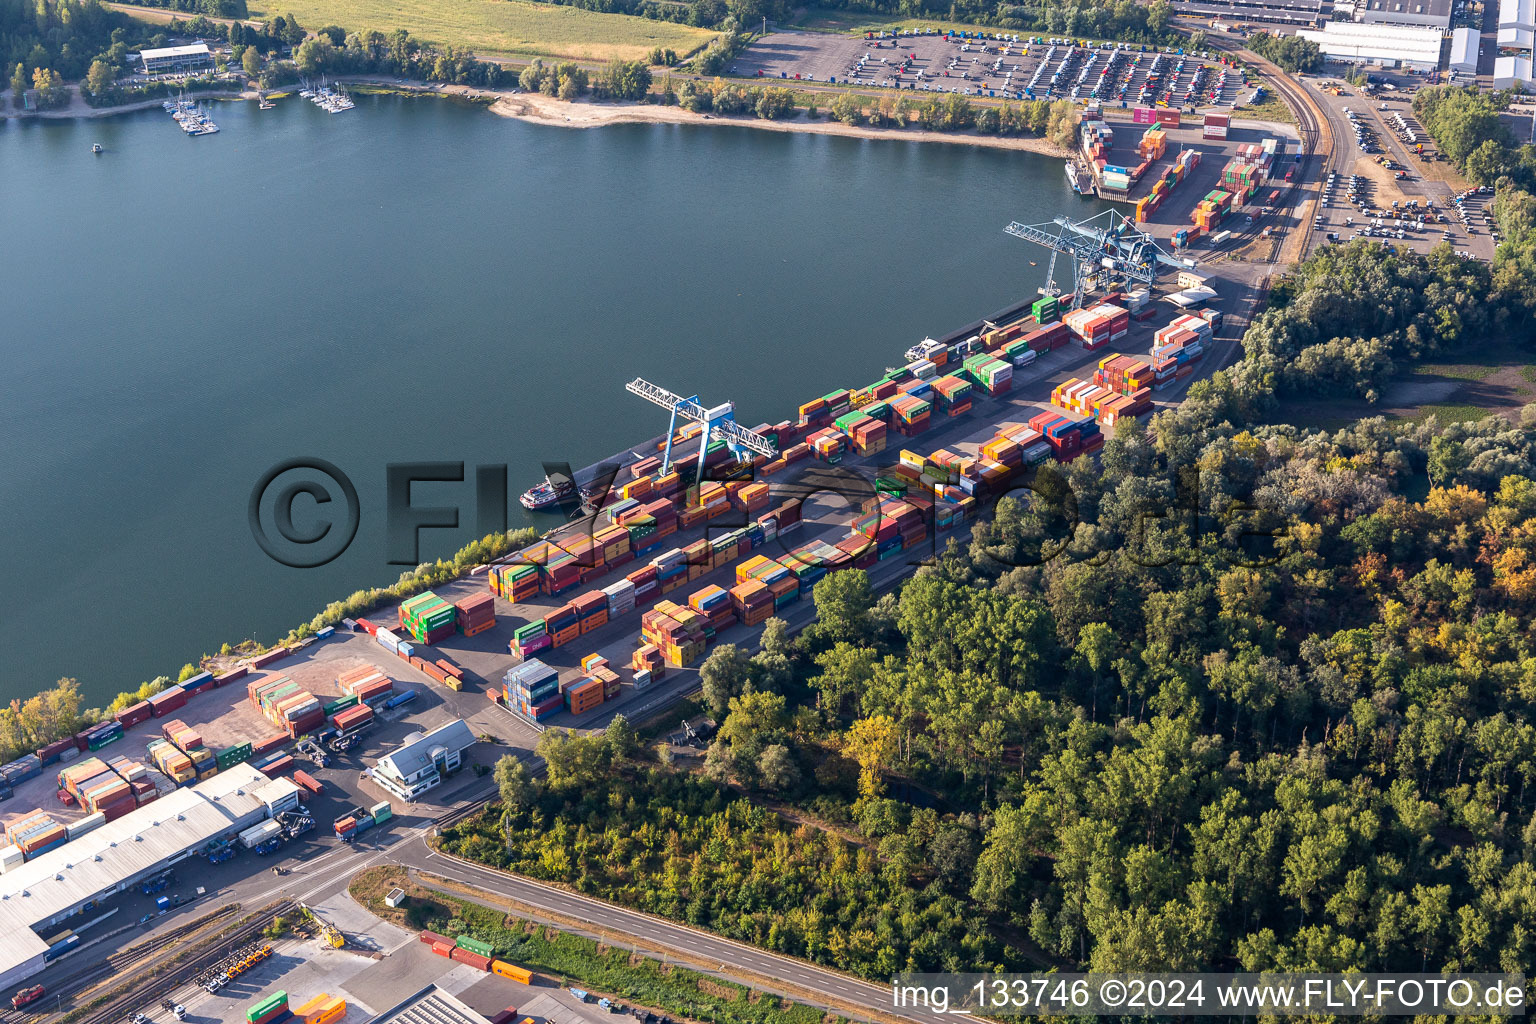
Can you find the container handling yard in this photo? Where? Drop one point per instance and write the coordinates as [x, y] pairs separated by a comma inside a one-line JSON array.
[[371, 728]]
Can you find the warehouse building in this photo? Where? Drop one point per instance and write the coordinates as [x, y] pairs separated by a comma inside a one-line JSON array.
[[430, 1005], [1517, 14], [1511, 71], [166, 59], [80, 874], [1464, 44], [423, 760], [1423, 13], [1399, 46]]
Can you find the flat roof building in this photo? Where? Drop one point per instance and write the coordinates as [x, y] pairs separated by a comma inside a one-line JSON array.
[[176, 58], [108, 860], [1511, 71], [1393, 45], [1517, 14], [1429, 13], [422, 761], [431, 1005], [1464, 44]]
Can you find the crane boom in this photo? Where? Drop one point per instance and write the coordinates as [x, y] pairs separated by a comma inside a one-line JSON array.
[[1107, 241], [719, 421]]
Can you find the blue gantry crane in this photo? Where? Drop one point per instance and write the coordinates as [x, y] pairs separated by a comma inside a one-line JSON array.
[[1106, 243], [718, 422]]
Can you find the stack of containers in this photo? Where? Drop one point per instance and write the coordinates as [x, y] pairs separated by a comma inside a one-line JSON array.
[[557, 568], [1153, 144], [591, 610], [676, 631], [1183, 341], [911, 415], [715, 603], [1069, 434], [475, 614], [646, 581], [367, 684], [597, 670], [352, 719], [749, 498], [108, 795], [323, 1009], [1079, 396], [952, 395], [781, 583], [108, 732], [563, 625], [529, 638], [1004, 451], [35, 833], [1118, 316], [612, 543], [270, 1010], [647, 659], [1116, 177], [994, 376], [619, 597], [533, 688], [753, 602], [814, 414], [1210, 211], [869, 434], [1048, 339], [171, 762], [427, 618], [1046, 310], [827, 445], [1091, 328], [190, 742], [515, 581]]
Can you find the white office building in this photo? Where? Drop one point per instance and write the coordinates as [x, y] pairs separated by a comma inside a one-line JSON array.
[[193, 57], [423, 760]]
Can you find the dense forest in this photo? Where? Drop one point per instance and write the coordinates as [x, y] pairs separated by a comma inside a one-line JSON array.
[[1293, 53], [1241, 695], [63, 36]]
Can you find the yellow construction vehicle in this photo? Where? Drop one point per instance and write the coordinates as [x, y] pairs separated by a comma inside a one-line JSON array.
[[330, 935]]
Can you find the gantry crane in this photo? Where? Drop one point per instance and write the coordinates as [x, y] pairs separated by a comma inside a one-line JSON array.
[[1106, 241], [719, 422]]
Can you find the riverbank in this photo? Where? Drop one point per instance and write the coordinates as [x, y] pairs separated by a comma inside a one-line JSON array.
[[77, 107], [537, 108]]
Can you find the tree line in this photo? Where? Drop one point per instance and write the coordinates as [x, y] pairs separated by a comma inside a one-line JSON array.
[[1291, 53]]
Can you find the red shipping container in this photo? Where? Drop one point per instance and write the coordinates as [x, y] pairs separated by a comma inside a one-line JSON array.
[[277, 767], [443, 948], [275, 654], [465, 956], [269, 743], [133, 714], [432, 937], [230, 676]]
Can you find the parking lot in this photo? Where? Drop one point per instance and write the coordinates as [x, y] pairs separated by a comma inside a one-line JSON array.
[[1383, 192], [1008, 66]]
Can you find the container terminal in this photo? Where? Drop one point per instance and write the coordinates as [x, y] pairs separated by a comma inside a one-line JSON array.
[[693, 538]]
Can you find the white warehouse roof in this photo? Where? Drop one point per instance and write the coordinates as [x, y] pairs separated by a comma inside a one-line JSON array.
[[1512, 38], [1517, 14], [57, 882], [1464, 44], [1353, 41], [1507, 71]]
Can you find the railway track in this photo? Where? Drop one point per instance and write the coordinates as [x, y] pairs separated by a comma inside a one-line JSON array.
[[138, 995], [1316, 140]]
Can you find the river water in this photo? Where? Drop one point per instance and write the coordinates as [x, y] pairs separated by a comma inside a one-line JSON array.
[[416, 280]]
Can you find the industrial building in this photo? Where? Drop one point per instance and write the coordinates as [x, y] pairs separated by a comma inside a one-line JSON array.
[[431, 1005], [80, 874], [1512, 71], [193, 57], [1517, 14], [1464, 46], [1401, 46], [422, 761], [1423, 13], [1296, 13]]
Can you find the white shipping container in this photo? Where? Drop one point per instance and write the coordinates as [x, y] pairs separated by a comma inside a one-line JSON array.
[[11, 857], [642, 678], [258, 834], [84, 825]]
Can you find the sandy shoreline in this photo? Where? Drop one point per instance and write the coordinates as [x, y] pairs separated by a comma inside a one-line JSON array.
[[539, 109]]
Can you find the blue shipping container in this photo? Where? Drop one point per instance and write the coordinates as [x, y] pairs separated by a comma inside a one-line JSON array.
[[326, 632]]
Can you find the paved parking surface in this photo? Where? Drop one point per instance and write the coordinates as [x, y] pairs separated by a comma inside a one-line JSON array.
[[1017, 67]]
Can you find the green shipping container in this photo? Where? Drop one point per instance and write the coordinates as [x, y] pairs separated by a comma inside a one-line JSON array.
[[266, 1006], [529, 630], [1046, 309], [475, 945], [340, 705], [878, 411], [846, 421], [230, 756]]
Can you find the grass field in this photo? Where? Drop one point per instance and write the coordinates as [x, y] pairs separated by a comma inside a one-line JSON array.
[[499, 27], [1271, 108]]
